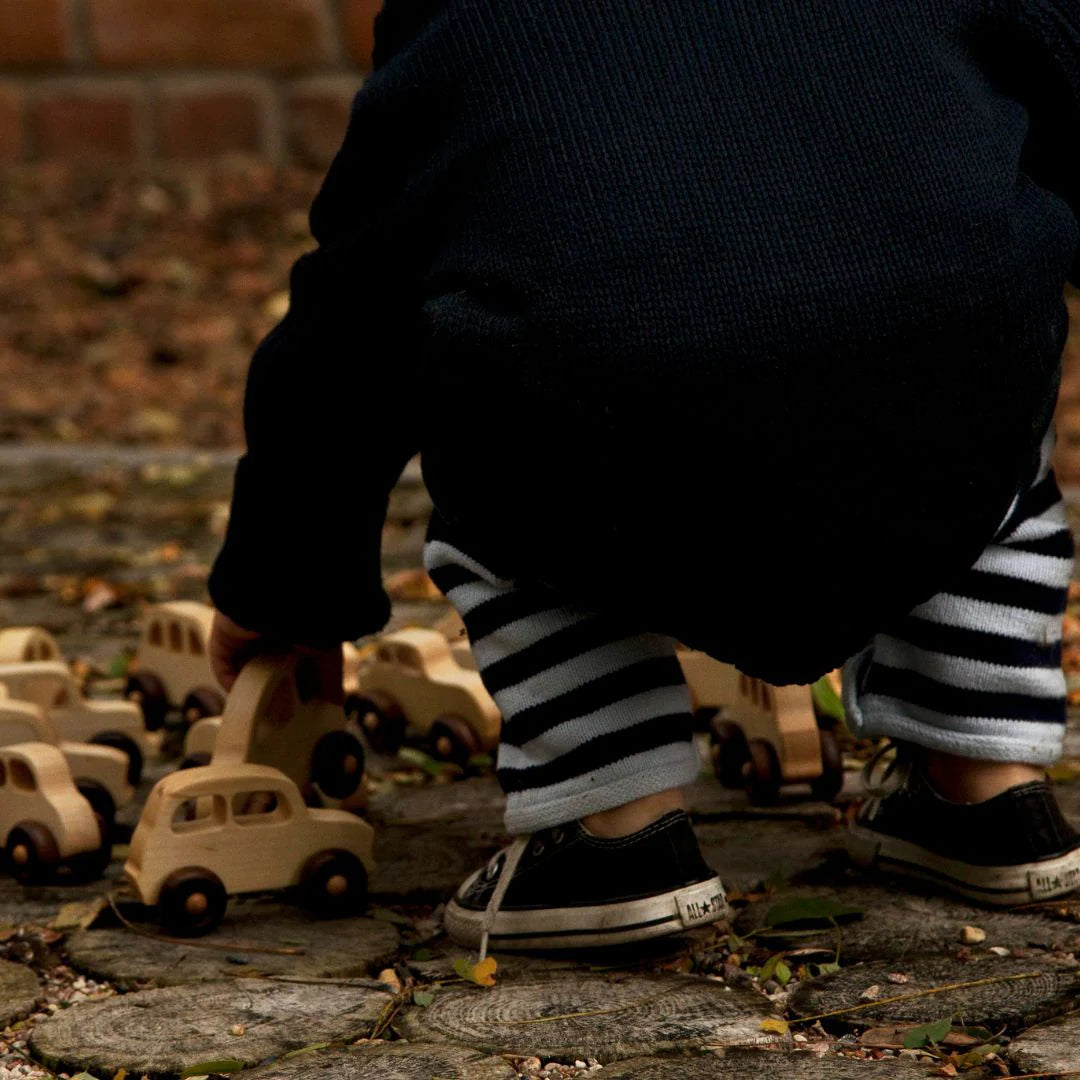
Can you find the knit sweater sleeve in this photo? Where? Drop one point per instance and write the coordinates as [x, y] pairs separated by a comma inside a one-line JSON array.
[[1050, 29], [326, 415]]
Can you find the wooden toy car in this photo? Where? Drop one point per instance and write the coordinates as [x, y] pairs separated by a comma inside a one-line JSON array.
[[274, 717], [51, 686], [171, 667], [45, 824], [100, 772], [762, 736], [414, 683], [22, 643], [214, 831]]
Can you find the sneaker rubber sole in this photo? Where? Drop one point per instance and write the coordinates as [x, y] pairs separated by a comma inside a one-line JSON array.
[[1000, 886], [588, 927]]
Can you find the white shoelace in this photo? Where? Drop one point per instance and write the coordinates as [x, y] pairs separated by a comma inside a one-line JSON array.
[[511, 857], [895, 770]]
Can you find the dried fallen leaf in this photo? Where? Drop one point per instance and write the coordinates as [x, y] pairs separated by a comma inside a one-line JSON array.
[[79, 914], [775, 1025], [389, 977], [483, 973]]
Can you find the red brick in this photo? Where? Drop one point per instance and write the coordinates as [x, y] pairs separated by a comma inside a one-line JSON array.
[[34, 33], [85, 123], [284, 35], [358, 17], [196, 122], [318, 113], [11, 124]]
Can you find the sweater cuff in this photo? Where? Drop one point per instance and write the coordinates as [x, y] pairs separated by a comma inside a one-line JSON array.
[[301, 558]]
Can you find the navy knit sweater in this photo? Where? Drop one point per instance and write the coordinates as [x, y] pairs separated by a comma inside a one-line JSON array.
[[742, 320]]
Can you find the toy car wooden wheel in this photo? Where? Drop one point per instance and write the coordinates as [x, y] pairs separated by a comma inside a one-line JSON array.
[[334, 883], [92, 864], [379, 718], [119, 741], [32, 852], [452, 739], [147, 691], [729, 752], [192, 902], [827, 786], [337, 764], [201, 702], [101, 802], [762, 772]]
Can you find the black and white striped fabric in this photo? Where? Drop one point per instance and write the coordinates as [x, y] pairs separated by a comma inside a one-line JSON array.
[[976, 670], [592, 717]]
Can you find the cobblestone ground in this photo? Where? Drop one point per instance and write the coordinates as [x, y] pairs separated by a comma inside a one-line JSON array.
[[86, 537]]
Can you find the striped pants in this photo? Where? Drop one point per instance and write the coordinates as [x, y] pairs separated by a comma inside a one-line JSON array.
[[594, 717]]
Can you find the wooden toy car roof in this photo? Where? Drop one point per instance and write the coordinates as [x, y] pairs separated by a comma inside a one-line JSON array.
[[15, 640], [219, 779]]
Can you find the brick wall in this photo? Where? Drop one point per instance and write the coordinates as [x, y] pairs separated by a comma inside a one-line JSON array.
[[159, 80]]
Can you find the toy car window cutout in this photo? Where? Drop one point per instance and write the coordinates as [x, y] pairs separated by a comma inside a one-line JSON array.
[[258, 808], [195, 645], [409, 659], [766, 702], [157, 635], [3, 774], [176, 637], [385, 654], [22, 777], [204, 812]]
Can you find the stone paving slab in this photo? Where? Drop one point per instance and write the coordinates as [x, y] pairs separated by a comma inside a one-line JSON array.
[[40, 904], [428, 863], [19, 991], [388, 1061], [162, 1032], [754, 1064], [1049, 1048], [477, 803], [897, 925], [990, 997], [747, 852], [330, 948], [606, 1016]]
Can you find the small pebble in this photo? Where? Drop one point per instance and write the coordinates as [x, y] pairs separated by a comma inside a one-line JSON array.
[[999, 950], [238, 1029], [973, 935], [871, 993], [580, 1065]]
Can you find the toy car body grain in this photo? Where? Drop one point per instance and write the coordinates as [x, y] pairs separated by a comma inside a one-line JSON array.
[[210, 832], [44, 820], [51, 686]]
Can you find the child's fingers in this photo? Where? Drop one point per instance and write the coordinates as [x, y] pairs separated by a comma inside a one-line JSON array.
[[231, 647]]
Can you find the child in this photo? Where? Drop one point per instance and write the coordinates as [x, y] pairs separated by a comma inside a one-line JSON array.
[[700, 314]]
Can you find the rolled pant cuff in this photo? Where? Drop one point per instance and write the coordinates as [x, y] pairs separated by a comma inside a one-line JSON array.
[[614, 785], [985, 739]]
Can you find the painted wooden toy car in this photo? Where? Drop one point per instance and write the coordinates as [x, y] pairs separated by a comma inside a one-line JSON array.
[[171, 668], [212, 832], [24, 643], [51, 686], [100, 772], [414, 683], [273, 717], [762, 736], [45, 823]]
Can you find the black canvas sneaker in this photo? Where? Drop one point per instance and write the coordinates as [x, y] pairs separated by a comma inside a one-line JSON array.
[[564, 888], [1015, 848]]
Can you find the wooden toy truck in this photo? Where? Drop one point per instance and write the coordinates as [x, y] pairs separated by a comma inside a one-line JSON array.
[[272, 718], [51, 686], [19, 644], [100, 772], [415, 683], [212, 832], [171, 667], [762, 736], [45, 823]]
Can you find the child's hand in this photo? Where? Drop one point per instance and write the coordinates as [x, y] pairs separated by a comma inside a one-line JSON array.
[[232, 646]]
